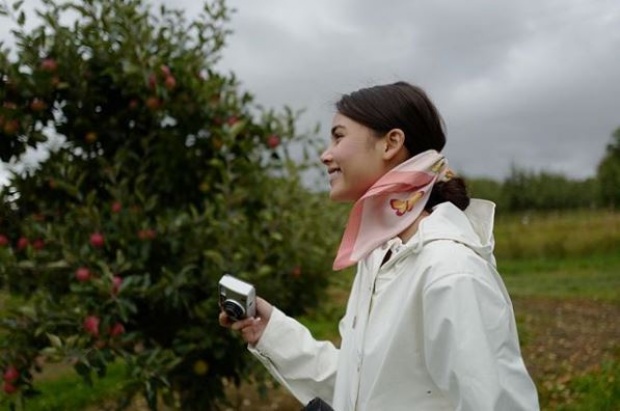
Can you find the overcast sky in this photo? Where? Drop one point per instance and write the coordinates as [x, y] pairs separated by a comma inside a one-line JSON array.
[[534, 83]]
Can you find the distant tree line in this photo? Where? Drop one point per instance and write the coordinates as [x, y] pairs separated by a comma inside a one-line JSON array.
[[528, 190]]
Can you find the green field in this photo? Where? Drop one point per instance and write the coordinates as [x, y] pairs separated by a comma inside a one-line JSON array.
[[563, 273]]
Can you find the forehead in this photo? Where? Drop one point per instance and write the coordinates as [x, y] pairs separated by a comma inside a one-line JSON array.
[[341, 120]]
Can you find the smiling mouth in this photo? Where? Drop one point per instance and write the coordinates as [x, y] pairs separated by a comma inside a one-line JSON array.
[[333, 174]]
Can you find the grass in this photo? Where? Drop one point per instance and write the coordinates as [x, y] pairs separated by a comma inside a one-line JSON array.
[[598, 390], [566, 234], [592, 277], [66, 390]]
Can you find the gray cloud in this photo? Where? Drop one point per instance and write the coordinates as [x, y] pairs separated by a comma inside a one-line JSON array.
[[531, 83]]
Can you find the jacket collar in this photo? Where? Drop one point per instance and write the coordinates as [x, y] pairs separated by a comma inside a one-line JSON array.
[[472, 228]]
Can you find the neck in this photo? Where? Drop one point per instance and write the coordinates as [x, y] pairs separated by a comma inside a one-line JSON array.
[[408, 232]]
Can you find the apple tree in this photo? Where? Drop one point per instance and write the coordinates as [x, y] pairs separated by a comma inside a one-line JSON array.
[[163, 175]]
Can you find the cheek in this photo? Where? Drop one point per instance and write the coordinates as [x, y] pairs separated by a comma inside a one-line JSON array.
[[344, 151], [350, 149]]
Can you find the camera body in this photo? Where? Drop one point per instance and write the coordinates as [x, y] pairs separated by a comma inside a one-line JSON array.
[[237, 298]]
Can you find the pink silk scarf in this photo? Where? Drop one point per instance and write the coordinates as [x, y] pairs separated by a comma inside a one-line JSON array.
[[390, 206]]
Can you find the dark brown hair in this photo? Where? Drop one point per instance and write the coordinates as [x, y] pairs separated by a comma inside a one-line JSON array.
[[407, 107]]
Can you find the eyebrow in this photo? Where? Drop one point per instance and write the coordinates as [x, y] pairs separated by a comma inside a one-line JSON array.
[[335, 128]]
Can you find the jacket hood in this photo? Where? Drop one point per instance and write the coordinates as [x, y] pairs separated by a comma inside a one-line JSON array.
[[472, 227]]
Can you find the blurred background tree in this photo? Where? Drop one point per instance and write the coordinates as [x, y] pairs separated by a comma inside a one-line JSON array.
[[164, 176], [608, 172]]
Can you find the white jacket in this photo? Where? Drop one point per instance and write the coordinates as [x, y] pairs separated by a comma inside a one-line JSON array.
[[431, 329]]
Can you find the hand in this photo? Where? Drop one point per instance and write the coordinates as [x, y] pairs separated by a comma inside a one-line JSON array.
[[251, 329]]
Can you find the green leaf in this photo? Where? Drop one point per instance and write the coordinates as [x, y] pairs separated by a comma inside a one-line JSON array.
[[26, 265], [237, 128], [55, 265], [54, 340], [214, 256]]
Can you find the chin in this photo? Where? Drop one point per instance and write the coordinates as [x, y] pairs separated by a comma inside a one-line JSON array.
[[339, 197]]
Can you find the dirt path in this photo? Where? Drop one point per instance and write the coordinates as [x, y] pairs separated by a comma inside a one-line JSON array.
[[564, 339]]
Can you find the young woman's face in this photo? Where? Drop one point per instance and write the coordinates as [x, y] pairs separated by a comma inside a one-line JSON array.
[[354, 159]]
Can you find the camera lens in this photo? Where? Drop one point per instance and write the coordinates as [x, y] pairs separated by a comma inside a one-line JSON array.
[[234, 310]]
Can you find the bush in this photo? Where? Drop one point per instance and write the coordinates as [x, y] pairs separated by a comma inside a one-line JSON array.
[[167, 176]]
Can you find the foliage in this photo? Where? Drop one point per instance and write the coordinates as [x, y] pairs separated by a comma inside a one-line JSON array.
[[167, 176], [608, 172], [488, 189], [526, 190]]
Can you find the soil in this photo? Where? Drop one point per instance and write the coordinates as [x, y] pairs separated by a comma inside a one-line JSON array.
[[565, 339]]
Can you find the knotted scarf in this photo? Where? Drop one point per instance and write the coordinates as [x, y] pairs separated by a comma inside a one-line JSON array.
[[390, 206]]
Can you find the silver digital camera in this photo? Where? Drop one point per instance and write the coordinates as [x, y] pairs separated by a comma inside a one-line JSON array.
[[237, 298]]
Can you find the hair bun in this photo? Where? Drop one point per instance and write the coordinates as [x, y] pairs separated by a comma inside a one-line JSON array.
[[453, 190]]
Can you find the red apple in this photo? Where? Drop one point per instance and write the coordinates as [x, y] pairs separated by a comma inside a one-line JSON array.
[[153, 103], [91, 325], [4, 241], [147, 234], [116, 207], [49, 64], [11, 127], [232, 120], [165, 70], [9, 388], [273, 141], [37, 105], [22, 243], [116, 284], [38, 244], [82, 274], [170, 82], [117, 329], [11, 374], [152, 81], [97, 240]]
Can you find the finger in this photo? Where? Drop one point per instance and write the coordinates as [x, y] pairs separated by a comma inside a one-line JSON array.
[[263, 308], [224, 320], [241, 324], [250, 334]]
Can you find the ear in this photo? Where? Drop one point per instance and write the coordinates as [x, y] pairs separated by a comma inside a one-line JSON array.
[[394, 142]]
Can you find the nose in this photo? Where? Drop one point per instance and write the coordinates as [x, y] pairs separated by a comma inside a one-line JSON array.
[[326, 156]]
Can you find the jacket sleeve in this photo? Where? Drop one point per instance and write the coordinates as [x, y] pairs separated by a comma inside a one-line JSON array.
[[471, 346], [305, 366]]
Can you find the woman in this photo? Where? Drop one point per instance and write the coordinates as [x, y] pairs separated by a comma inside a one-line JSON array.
[[429, 324]]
